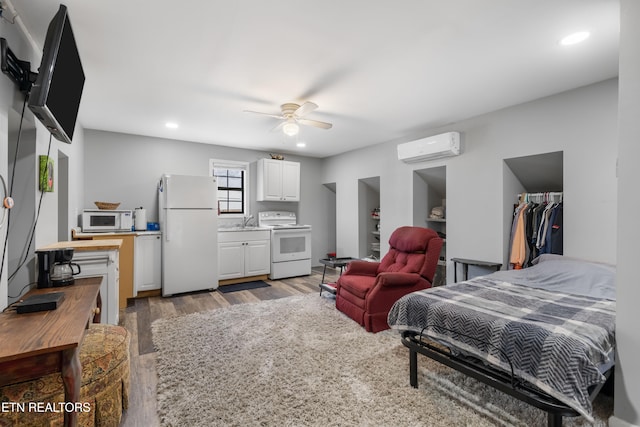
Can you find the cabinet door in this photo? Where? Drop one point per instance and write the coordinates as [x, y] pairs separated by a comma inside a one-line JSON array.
[[272, 180], [126, 265], [103, 264], [257, 257], [291, 181], [147, 258], [230, 260]]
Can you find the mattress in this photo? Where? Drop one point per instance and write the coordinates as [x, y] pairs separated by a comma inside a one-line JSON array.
[[553, 322]]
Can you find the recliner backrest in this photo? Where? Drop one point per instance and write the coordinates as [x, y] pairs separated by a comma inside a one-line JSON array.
[[412, 250]]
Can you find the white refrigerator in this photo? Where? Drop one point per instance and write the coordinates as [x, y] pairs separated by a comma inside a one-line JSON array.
[[188, 214]]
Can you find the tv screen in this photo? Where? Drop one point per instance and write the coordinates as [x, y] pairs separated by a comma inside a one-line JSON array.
[[55, 95]]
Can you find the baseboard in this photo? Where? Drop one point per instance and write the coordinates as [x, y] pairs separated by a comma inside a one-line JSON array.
[[243, 279], [617, 422], [152, 293]]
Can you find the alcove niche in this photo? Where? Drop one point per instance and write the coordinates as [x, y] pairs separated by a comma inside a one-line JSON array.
[[430, 191], [331, 216], [369, 223], [537, 173]]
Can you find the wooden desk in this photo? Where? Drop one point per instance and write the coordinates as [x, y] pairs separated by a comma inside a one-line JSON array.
[[467, 262], [37, 344]]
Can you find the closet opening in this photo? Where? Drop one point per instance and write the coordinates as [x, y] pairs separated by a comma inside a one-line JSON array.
[[430, 209], [533, 195], [331, 217], [369, 218], [63, 197]]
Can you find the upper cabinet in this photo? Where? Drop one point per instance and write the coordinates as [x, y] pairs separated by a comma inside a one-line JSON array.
[[278, 180]]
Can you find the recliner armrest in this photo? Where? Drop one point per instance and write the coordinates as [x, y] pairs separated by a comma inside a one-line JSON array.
[[398, 279], [362, 268]]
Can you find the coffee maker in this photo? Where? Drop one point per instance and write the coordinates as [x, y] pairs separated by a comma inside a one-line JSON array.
[[55, 268]]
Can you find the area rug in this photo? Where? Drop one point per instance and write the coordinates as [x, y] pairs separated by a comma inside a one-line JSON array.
[[297, 361], [225, 289]]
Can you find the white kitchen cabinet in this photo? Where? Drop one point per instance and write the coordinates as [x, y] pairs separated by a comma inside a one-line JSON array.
[[104, 264], [257, 257], [147, 258], [278, 180], [244, 253]]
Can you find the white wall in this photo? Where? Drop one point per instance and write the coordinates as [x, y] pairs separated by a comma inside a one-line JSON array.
[[75, 153], [23, 180], [126, 168], [627, 381], [582, 123], [12, 100]]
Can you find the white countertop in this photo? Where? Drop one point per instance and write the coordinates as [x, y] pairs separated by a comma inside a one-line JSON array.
[[86, 245], [239, 228], [80, 234]]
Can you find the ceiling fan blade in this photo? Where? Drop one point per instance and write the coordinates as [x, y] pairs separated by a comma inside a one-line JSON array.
[[305, 109], [278, 127], [277, 116], [315, 123]]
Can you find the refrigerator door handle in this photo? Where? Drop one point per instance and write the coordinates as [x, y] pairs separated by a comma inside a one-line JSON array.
[[166, 232]]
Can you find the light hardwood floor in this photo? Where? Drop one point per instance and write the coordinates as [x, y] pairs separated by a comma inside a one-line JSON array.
[[137, 318]]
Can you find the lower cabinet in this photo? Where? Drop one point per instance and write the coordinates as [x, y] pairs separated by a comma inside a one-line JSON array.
[[104, 264], [126, 264], [244, 254], [147, 258]]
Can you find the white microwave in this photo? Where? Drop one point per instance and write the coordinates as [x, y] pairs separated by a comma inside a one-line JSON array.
[[96, 220]]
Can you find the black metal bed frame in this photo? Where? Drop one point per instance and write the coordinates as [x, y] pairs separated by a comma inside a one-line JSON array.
[[503, 381]]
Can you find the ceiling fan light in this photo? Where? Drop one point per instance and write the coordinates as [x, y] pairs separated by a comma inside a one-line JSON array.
[[290, 128]]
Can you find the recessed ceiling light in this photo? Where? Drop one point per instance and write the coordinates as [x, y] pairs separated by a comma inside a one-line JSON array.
[[575, 38], [301, 144], [171, 125]]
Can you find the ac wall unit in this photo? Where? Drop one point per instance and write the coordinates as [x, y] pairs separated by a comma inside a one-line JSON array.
[[433, 147]]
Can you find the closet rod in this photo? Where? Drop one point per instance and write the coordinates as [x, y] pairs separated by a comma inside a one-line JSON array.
[[546, 196]]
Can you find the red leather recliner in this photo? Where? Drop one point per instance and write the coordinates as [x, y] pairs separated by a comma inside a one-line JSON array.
[[367, 290]]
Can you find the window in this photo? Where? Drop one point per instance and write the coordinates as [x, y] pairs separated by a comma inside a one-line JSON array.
[[232, 180]]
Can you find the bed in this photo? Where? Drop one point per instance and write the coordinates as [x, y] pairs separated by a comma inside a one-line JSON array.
[[544, 334]]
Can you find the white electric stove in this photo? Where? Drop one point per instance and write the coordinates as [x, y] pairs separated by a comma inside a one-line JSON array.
[[290, 244]]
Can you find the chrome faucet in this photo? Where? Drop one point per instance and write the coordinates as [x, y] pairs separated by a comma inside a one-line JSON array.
[[245, 220]]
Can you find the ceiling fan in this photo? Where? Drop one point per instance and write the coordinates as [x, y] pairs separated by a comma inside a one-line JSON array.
[[292, 115]]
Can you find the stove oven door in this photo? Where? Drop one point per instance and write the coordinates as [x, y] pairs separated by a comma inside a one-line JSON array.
[[290, 244]]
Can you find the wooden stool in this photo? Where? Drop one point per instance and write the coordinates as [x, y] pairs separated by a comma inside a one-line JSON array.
[[104, 392]]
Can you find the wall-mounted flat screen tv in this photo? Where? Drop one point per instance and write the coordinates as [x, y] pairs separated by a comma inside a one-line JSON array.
[[55, 95]]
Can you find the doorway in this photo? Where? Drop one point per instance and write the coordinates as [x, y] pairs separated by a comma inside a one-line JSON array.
[[63, 197], [369, 218]]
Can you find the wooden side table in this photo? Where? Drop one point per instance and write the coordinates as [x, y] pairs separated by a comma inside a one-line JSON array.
[[467, 262], [40, 343]]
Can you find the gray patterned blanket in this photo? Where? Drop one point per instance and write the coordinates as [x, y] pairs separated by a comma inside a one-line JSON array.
[[558, 342]]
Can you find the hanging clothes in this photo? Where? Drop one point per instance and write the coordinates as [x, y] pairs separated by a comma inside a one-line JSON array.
[[553, 242], [556, 232], [518, 247], [536, 228]]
